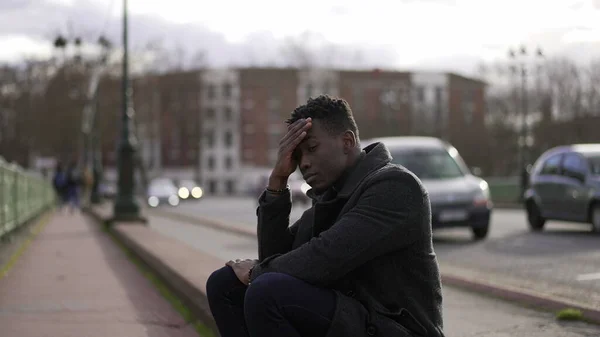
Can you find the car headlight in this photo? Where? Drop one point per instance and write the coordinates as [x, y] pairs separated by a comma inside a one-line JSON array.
[[197, 192], [173, 200], [183, 193], [153, 201], [482, 195]]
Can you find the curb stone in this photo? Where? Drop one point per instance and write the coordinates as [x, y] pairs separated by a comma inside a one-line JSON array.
[[450, 278]]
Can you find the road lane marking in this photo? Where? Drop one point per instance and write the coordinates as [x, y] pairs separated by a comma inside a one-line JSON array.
[[588, 277]]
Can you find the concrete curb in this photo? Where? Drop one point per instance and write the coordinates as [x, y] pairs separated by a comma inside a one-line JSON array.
[[207, 222], [175, 270], [524, 297]]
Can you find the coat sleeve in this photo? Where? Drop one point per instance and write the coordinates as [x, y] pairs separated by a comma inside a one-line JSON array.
[[391, 214], [273, 231]]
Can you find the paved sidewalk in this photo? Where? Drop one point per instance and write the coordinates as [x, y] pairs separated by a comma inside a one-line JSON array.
[[75, 281]]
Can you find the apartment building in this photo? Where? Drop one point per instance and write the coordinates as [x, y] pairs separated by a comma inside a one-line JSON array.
[[222, 126]]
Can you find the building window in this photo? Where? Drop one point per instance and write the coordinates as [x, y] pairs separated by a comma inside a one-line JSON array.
[[468, 105], [420, 92], [174, 154], [209, 113], [227, 90], [210, 138], [275, 136], [230, 186], [326, 88], [309, 91], [228, 163], [212, 186], [228, 139], [191, 154], [210, 91], [211, 163], [439, 102], [228, 114], [273, 110], [358, 102]]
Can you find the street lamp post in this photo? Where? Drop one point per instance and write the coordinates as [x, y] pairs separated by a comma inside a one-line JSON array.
[[520, 67], [126, 207]]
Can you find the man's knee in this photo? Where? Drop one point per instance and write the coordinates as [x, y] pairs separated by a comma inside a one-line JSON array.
[[220, 282], [270, 286]]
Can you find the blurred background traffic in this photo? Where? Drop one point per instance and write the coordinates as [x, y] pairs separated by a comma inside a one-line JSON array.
[[191, 99]]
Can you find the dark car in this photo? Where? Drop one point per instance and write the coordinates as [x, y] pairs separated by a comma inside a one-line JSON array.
[[564, 184], [458, 198]]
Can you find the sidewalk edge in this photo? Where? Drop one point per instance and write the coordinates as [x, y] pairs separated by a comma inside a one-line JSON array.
[[192, 296], [520, 296]]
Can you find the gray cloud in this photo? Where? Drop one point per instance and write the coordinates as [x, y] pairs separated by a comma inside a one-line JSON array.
[[44, 19]]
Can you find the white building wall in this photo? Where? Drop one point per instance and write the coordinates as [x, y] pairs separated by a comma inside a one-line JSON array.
[[223, 175], [430, 114]]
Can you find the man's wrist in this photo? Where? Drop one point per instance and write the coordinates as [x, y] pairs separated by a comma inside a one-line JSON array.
[[277, 183]]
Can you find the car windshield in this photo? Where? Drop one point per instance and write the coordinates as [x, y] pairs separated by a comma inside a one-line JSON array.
[[594, 165], [428, 164], [187, 183]]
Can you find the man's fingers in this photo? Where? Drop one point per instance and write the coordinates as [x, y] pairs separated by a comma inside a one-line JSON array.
[[294, 136], [296, 128]]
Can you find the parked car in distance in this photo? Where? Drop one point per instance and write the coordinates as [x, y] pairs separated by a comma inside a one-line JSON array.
[[564, 184], [162, 191], [188, 189], [458, 198]]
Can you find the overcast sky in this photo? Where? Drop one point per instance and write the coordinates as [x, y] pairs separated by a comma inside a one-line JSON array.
[[453, 35]]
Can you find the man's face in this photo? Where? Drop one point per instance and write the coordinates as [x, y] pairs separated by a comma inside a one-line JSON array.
[[322, 157]]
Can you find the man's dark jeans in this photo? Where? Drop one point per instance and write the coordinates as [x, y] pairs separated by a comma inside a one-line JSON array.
[[273, 305]]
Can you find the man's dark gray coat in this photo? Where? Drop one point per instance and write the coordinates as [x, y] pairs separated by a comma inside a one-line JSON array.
[[370, 241]]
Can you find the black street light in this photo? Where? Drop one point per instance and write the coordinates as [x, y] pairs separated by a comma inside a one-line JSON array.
[[521, 67], [126, 208]]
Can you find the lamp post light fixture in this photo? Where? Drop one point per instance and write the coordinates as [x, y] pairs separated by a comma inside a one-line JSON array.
[[520, 66]]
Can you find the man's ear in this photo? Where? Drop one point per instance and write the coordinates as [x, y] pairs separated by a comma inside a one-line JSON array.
[[350, 141]]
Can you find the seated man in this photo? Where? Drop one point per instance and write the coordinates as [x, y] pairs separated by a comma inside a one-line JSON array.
[[359, 262]]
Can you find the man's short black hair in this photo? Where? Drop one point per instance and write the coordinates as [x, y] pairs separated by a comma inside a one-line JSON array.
[[333, 112]]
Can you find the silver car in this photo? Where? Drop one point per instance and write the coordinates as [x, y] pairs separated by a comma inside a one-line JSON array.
[[565, 185], [458, 198]]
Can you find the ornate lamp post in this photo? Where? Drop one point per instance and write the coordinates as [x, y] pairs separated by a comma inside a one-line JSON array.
[[126, 207]]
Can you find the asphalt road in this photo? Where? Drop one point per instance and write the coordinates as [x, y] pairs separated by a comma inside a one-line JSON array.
[[465, 314], [563, 260]]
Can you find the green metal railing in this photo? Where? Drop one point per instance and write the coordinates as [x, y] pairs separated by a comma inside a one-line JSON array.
[[23, 196]]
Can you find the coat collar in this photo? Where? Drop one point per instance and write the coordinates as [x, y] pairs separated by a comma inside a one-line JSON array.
[[375, 156]]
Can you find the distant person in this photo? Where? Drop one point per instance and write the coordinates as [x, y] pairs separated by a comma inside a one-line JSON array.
[[359, 262], [74, 182], [60, 184]]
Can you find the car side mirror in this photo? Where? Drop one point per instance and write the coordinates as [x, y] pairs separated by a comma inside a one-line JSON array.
[[476, 171]]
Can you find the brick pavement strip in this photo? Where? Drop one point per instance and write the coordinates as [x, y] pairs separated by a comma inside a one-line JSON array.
[[75, 281], [547, 296]]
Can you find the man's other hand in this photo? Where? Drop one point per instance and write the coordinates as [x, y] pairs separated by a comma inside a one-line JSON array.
[[242, 268]]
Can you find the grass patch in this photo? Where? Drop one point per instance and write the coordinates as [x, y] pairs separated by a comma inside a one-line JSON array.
[[569, 314], [164, 290]]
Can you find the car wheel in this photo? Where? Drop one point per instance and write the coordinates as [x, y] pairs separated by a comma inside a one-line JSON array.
[[534, 217], [595, 218], [480, 233]]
